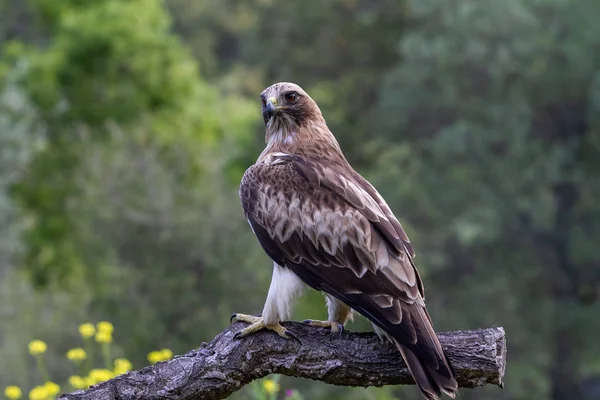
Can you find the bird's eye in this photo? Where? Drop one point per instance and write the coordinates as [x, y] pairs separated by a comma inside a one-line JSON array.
[[291, 97], [263, 101]]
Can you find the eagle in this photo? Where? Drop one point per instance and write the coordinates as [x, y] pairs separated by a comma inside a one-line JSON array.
[[327, 227]]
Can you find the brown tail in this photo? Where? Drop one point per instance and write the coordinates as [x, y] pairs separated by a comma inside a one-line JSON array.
[[426, 360]]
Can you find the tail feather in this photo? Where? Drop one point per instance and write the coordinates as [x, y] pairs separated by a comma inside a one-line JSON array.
[[416, 340], [432, 376], [432, 383]]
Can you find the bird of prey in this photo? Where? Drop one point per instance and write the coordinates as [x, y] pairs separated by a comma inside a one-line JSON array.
[[326, 226]]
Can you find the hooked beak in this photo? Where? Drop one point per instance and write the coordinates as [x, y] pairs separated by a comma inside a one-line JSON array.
[[269, 109]]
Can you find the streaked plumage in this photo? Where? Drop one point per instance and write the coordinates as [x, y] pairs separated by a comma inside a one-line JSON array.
[[320, 220]]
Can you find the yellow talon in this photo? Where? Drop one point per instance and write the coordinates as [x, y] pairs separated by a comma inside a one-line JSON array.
[[334, 326], [257, 324]]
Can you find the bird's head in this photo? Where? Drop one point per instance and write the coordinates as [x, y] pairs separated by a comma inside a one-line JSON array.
[[294, 123], [287, 104]]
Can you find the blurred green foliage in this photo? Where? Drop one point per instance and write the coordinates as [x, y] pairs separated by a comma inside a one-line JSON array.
[[125, 127]]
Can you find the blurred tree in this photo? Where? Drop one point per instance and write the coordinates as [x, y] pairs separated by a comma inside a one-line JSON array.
[[18, 138], [104, 64], [25, 314], [16, 21], [124, 194], [496, 164]]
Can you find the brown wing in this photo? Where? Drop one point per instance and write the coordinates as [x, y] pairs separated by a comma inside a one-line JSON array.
[[324, 224]]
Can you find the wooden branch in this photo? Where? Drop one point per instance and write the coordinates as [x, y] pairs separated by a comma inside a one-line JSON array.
[[224, 365]]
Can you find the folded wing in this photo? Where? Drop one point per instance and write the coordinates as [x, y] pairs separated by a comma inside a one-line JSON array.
[[332, 229]]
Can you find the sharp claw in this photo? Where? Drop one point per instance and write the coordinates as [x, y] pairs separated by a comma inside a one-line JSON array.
[[307, 321], [232, 317], [237, 335], [291, 334], [337, 333]]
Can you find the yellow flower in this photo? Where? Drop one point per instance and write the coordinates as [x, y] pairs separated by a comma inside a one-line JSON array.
[[52, 389], [159, 355], [121, 366], [87, 330], [38, 393], [76, 354], [154, 357], [77, 382], [100, 375], [103, 337], [13, 392], [37, 347], [270, 386], [167, 354], [89, 381], [105, 326]]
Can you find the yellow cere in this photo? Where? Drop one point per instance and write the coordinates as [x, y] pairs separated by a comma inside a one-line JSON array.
[[77, 382], [87, 330], [52, 389], [105, 326], [122, 365], [104, 337], [37, 347], [13, 392], [38, 393], [77, 354], [270, 386]]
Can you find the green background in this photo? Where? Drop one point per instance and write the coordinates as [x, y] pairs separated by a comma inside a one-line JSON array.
[[126, 125]]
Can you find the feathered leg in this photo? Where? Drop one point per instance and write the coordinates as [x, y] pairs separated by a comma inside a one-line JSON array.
[[338, 315], [285, 287]]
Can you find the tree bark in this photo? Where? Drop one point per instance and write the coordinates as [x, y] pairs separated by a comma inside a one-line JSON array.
[[224, 365]]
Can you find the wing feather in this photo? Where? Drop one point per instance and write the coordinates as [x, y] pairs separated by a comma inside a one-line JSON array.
[[358, 192]]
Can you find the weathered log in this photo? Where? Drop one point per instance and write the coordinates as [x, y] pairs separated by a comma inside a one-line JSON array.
[[224, 365]]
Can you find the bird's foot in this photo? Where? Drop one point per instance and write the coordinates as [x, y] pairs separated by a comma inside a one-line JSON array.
[[258, 323], [335, 326]]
